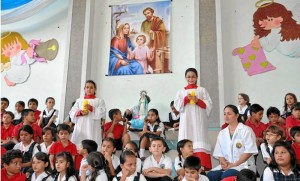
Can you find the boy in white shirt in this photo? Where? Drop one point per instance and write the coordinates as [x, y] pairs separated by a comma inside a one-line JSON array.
[[128, 165], [192, 168], [157, 166]]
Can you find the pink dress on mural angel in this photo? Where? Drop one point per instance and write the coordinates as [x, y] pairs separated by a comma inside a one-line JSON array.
[[254, 60], [194, 120]]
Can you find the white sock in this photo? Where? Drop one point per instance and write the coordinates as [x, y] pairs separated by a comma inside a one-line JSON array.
[[142, 153]]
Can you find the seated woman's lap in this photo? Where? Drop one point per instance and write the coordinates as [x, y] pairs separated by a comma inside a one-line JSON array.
[[218, 175]]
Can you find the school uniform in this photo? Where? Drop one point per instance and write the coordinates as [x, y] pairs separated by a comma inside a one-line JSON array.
[[265, 153], [243, 141], [72, 178], [44, 148], [84, 162], [36, 116], [257, 129], [157, 127], [133, 177], [173, 118], [24, 149], [138, 165], [6, 132], [178, 163], [37, 131], [47, 115], [58, 147], [41, 177], [291, 121], [115, 161], [164, 162], [117, 132], [17, 115], [201, 178], [102, 176], [275, 175], [18, 176], [28, 152]]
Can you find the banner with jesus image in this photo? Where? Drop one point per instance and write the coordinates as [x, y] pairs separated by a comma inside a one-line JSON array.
[[140, 35]]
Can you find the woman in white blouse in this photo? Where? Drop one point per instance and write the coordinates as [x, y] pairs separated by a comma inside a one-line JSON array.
[[235, 147]]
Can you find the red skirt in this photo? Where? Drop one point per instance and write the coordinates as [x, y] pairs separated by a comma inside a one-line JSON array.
[[205, 160]]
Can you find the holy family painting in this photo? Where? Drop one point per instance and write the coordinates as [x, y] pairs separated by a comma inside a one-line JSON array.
[[140, 35]]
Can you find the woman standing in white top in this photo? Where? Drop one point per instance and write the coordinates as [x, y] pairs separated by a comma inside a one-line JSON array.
[[235, 147]]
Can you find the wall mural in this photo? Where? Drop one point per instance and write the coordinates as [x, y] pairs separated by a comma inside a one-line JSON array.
[[140, 39], [275, 28], [17, 56]]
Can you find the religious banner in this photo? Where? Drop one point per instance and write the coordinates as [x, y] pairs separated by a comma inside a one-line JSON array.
[[140, 35]]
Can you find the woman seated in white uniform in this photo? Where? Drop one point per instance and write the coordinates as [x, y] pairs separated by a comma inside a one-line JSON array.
[[235, 147]]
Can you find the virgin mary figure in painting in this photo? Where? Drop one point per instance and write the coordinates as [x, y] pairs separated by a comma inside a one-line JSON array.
[[120, 52]]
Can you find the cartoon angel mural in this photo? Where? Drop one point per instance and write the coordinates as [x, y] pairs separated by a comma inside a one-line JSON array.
[[275, 28], [17, 56]]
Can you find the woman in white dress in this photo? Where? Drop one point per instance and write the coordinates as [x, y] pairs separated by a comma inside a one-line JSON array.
[[235, 147]]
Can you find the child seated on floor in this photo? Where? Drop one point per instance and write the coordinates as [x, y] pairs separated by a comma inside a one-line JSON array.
[[87, 146], [174, 118], [128, 166], [63, 145], [33, 104], [12, 164], [19, 107], [192, 168], [27, 146], [295, 134], [115, 130], [153, 128], [27, 119], [184, 149], [4, 106], [108, 149], [6, 131], [49, 135], [157, 167]]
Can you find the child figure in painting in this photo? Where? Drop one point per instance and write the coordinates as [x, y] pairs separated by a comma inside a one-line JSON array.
[[275, 28], [194, 105], [142, 53], [86, 114]]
